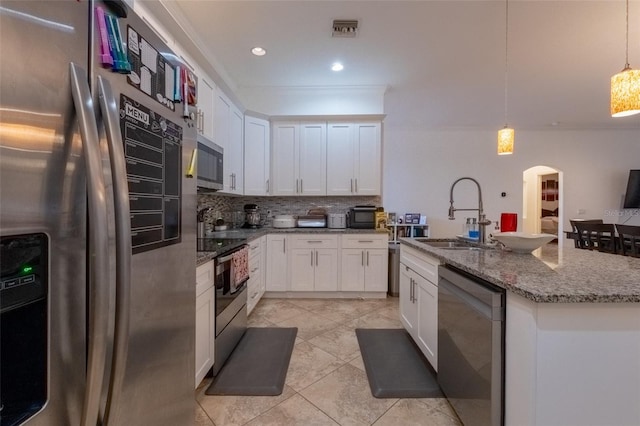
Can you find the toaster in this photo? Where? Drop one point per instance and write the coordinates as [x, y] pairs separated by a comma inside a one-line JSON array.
[[337, 221]]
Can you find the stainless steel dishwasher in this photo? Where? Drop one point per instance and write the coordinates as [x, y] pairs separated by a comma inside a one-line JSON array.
[[471, 328]]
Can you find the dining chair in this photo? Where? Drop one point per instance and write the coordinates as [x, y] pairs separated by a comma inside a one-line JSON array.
[[597, 236], [629, 239], [578, 242]]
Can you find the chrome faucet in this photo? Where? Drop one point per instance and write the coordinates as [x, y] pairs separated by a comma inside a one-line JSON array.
[[482, 219]]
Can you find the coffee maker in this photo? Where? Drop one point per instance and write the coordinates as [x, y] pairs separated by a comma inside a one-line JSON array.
[[252, 216]]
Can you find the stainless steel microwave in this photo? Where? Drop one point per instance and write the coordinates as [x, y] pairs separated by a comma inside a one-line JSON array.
[[210, 163]]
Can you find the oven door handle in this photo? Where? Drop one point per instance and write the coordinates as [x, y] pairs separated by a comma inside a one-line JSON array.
[[242, 286], [224, 259]]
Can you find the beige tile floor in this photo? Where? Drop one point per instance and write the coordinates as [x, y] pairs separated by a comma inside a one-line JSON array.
[[326, 382]]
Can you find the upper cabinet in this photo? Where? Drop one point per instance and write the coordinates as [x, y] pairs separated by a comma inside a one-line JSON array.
[[353, 158], [234, 154], [206, 107], [299, 156], [256, 156], [228, 128], [326, 159]]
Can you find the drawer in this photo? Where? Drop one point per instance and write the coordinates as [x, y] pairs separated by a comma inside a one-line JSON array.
[[204, 277], [254, 246], [423, 264], [365, 241], [313, 241]]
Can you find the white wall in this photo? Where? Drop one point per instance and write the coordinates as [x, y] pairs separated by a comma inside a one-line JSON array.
[[419, 166], [297, 101]]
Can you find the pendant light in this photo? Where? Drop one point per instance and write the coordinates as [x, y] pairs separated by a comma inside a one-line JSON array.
[[625, 86], [506, 135]]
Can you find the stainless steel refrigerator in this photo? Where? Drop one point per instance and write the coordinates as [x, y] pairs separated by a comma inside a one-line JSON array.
[[97, 220]]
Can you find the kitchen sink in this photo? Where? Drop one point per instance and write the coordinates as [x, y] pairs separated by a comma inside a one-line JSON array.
[[451, 244]]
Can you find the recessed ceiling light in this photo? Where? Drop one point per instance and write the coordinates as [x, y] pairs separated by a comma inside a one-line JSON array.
[[337, 66], [258, 51]]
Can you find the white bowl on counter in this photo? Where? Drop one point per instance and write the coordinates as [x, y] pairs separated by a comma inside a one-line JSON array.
[[522, 242]]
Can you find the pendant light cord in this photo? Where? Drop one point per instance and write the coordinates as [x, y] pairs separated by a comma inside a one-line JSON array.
[[506, 61], [626, 54]]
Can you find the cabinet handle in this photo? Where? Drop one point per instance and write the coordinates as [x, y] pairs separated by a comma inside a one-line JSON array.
[[284, 245], [301, 187], [367, 258], [312, 258], [356, 185], [365, 241], [410, 289], [316, 257], [267, 186], [351, 184], [314, 241], [362, 258]]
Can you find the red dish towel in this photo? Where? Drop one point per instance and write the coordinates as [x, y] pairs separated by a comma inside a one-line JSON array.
[[240, 261]]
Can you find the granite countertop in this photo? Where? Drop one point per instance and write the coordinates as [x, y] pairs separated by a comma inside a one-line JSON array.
[[550, 274], [251, 234]]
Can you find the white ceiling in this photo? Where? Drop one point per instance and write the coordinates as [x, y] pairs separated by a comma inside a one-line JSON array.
[[443, 60]]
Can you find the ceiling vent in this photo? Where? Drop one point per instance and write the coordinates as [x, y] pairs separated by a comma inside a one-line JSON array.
[[345, 28]]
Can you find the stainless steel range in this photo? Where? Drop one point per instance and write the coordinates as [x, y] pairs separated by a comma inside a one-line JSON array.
[[231, 294]]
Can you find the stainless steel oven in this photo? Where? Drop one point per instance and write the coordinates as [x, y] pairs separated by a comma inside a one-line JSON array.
[[231, 303]]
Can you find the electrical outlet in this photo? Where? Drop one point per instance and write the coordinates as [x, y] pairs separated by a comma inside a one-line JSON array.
[[582, 211]]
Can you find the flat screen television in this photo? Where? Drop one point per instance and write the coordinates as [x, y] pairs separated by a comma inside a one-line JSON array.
[[632, 196]]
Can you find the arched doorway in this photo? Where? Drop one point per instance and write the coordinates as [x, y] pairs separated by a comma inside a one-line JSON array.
[[542, 201]]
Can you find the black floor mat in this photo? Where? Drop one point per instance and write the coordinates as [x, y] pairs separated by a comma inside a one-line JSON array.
[[258, 365], [395, 366]]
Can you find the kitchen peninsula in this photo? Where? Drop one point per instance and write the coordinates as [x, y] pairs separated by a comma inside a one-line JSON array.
[[572, 343]]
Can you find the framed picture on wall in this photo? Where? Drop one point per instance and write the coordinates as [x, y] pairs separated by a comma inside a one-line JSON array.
[[544, 191], [551, 187]]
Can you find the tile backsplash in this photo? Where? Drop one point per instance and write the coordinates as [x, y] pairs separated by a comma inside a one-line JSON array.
[[231, 208]]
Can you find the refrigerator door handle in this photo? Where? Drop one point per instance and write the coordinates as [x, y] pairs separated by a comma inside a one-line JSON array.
[[111, 119], [98, 254]]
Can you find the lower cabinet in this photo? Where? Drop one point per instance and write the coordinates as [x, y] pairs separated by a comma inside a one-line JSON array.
[[205, 320], [256, 283], [364, 262], [408, 301], [325, 262], [277, 263], [419, 300], [313, 263]]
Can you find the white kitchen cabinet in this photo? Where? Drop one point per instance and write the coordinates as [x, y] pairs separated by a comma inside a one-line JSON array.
[[313, 263], [206, 107], [228, 130], [256, 156], [277, 263], [205, 320], [419, 300], [353, 158], [256, 282], [427, 294], [408, 303], [299, 159], [364, 262], [234, 155]]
